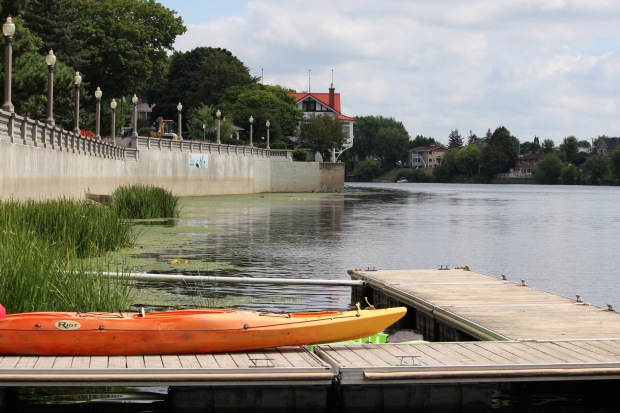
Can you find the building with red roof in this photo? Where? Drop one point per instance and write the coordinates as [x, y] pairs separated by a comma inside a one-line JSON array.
[[326, 104]]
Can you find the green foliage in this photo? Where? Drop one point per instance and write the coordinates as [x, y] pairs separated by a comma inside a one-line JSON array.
[[508, 144], [569, 175], [579, 158], [367, 140], [11, 8], [547, 146], [494, 160], [468, 159], [88, 229], [448, 168], [614, 162], [278, 145], [205, 115], [455, 140], [530, 146], [300, 154], [145, 131], [413, 175], [264, 103], [570, 147], [37, 274], [322, 133], [584, 144], [420, 141], [595, 168], [390, 145], [367, 170], [607, 179], [549, 169], [145, 202], [127, 42]]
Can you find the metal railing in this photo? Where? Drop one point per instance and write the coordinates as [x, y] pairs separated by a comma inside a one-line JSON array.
[[162, 144], [25, 131]]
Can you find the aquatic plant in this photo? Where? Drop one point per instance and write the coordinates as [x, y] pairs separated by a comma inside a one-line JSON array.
[[145, 202]]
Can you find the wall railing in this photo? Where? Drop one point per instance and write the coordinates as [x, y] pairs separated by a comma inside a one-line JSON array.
[[162, 144], [25, 131]]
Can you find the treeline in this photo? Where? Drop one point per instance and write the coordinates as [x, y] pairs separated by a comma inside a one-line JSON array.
[[117, 45]]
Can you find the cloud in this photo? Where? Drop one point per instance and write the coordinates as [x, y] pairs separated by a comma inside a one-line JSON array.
[[546, 68]]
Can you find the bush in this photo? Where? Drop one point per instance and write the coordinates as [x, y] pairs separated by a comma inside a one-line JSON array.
[[596, 168], [367, 170], [414, 175], [549, 169], [145, 202], [278, 145], [300, 155], [146, 131], [607, 179], [569, 175]]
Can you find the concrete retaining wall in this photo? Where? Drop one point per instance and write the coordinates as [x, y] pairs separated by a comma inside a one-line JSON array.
[[53, 163]]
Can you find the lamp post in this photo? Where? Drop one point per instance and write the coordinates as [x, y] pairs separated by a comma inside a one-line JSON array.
[[98, 94], [50, 59], [134, 99], [218, 114], [77, 80], [8, 28], [268, 133], [113, 106], [251, 121], [179, 108]]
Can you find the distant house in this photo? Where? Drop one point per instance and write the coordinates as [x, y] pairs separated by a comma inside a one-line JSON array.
[[425, 157], [526, 164], [326, 104], [605, 146]]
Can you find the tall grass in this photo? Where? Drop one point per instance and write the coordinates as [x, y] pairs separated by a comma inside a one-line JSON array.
[[145, 202], [86, 228], [36, 275], [41, 244]]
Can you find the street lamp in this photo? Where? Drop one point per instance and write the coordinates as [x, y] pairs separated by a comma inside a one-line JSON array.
[[77, 80], [179, 108], [98, 94], [218, 114], [268, 124], [8, 28], [50, 59], [251, 120], [113, 106], [134, 99]]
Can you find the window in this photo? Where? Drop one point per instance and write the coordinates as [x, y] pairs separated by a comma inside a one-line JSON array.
[[520, 161], [310, 105]]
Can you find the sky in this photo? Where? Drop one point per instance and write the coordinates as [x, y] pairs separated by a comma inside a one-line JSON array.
[[546, 68]]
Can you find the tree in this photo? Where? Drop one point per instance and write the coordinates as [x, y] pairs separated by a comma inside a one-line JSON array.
[[367, 170], [503, 140], [420, 140], [128, 43], [570, 147], [614, 162], [322, 133], [446, 171], [205, 115], [547, 146], [569, 175], [390, 145], [455, 140], [365, 131], [584, 144], [263, 102], [494, 160], [596, 168], [11, 8], [472, 139], [549, 169], [468, 159]]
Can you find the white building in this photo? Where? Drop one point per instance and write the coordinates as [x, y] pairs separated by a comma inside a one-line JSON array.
[[326, 103]]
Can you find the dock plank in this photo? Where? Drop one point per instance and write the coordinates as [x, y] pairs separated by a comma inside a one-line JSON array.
[[171, 361], [207, 361], [80, 362], [9, 362], [26, 362], [380, 351], [279, 359], [189, 361], [63, 362], [293, 357], [225, 361], [585, 352], [45, 362], [153, 362], [99, 362], [368, 356], [117, 362], [135, 362]]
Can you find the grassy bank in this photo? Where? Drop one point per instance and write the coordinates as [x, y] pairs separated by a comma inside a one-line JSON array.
[[145, 202]]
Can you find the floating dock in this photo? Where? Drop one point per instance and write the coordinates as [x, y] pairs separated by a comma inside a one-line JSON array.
[[485, 332]]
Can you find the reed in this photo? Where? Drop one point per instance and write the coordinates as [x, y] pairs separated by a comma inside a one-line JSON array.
[[36, 275], [145, 202], [86, 228]]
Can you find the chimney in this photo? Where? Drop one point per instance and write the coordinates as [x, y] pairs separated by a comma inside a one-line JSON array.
[[332, 100]]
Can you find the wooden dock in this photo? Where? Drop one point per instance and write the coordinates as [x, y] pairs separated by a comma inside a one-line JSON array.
[[448, 303]]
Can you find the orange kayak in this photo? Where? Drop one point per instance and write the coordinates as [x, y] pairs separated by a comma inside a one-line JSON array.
[[183, 331]]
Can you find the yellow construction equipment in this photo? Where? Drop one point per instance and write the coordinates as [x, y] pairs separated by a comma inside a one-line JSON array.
[[164, 129]]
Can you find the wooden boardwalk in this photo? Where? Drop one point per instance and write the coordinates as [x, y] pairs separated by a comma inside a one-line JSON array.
[[275, 366], [488, 308], [476, 362]]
